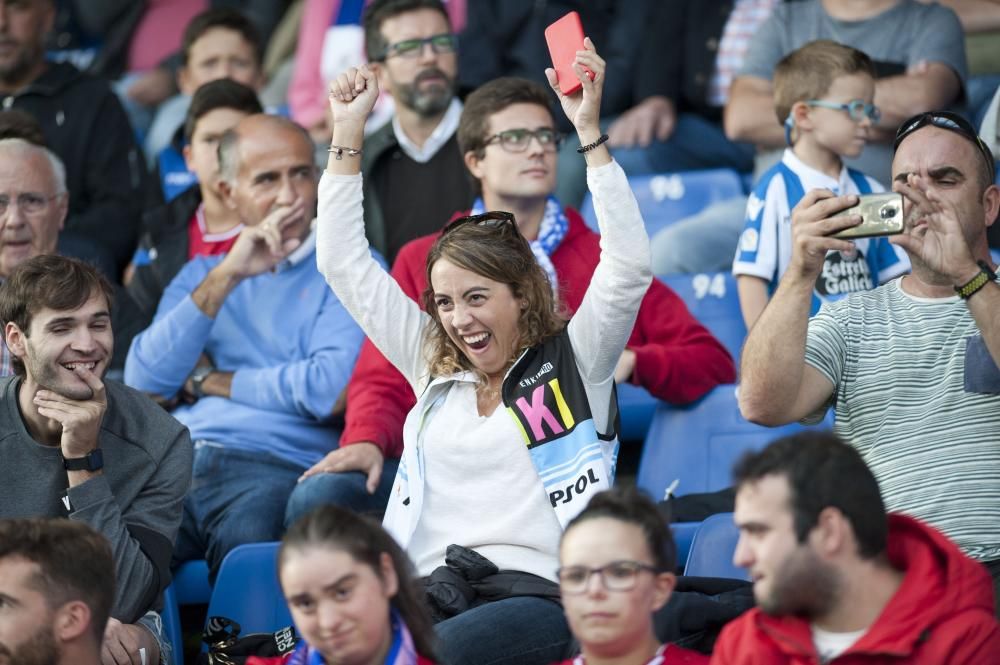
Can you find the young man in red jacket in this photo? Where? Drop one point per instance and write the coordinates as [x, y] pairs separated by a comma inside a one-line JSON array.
[[508, 138], [836, 579]]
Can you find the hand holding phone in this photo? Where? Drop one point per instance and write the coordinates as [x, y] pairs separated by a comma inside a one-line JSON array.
[[565, 38], [881, 215]]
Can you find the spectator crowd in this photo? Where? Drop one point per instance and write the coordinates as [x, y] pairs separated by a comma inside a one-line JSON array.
[[359, 277]]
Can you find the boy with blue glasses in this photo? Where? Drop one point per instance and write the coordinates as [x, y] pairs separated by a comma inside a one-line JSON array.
[[823, 95]]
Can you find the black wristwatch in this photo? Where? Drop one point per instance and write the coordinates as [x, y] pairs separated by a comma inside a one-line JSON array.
[[92, 461], [198, 377]]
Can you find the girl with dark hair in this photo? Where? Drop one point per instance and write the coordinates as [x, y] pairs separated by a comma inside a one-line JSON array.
[[616, 561], [352, 593], [499, 481]]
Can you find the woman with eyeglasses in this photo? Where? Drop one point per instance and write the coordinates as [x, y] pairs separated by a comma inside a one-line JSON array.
[[515, 425], [351, 593], [616, 559]]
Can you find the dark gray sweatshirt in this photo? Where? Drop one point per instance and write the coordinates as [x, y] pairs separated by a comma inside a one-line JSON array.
[[136, 503]]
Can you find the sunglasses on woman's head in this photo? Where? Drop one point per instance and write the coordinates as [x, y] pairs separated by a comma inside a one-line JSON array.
[[953, 123], [491, 219]]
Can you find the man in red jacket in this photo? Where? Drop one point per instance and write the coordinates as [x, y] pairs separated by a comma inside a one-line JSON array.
[[837, 580], [508, 138]]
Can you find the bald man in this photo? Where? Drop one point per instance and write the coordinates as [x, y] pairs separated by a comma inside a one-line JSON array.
[[251, 348]]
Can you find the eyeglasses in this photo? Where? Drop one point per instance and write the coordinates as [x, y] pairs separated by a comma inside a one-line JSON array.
[[412, 48], [952, 122], [616, 576], [857, 109], [30, 203], [491, 219], [517, 140]]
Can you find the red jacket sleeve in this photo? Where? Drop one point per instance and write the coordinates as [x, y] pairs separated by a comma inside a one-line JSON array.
[[378, 396], [677, 359]]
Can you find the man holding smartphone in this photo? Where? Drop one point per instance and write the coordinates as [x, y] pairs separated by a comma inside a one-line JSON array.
[[911, 368]]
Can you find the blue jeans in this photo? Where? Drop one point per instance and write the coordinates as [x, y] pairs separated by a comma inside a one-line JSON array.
[[346, 490], [697, 143], [236, 497], [514, 631]]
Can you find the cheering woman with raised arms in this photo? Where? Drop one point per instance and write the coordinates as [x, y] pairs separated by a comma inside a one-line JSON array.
[[500, 481]]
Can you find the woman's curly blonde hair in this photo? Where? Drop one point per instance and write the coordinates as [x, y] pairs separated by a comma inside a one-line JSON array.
[[502, 254]]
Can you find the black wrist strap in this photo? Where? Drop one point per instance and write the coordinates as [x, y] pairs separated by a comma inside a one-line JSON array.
[[985, 276], [92, 461], [590, 146]]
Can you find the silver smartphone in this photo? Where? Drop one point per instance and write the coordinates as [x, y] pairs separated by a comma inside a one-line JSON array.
[[881, 215]]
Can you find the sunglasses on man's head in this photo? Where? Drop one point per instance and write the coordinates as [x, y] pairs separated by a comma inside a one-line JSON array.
[[953, 123], [491, 219]]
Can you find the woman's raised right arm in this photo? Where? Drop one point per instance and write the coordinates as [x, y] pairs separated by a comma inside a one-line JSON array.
[[391, 320]]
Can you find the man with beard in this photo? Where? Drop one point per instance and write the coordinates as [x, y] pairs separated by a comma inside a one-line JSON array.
[[836, 578], [77, 446], [910, 368], [85, 125], [413, 171], [57, 582]]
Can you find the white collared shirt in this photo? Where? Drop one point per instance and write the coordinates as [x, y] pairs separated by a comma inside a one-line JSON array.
[[441, 134]]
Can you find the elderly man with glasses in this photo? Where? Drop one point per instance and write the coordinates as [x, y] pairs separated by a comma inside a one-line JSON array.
[[911, 368]]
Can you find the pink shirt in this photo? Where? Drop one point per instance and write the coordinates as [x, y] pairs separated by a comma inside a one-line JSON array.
[[160, 30]]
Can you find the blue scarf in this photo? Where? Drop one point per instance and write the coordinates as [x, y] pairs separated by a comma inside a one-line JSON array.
[[550, 234], [402, 651]]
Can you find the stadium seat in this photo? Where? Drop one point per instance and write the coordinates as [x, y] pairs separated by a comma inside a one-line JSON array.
[[696, 445], [172, 625], [190, 583], [712, 549], [247, 590], [666, 198], [683, 533], [636, 407], [712, 299]]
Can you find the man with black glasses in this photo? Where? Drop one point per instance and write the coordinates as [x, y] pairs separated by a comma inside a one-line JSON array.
[[413, 171], [910, 367]]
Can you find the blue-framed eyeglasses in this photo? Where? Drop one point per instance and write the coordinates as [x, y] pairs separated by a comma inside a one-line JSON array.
[[857, 109]]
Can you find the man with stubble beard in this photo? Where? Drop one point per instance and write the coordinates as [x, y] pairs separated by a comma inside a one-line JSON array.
[[414, 174], [75, 445]]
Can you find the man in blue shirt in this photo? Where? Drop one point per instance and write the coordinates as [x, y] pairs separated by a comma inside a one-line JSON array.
[[252, 348]]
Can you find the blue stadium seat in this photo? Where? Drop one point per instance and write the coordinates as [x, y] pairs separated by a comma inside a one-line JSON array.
[[172, 625], [696, 445], [712, 549], [712, 299], [683, 533], [636, 407], [666, 198], [247, 590], [190, 583]]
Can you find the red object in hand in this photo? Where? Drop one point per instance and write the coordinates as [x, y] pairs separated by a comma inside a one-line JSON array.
[[565, 38]]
